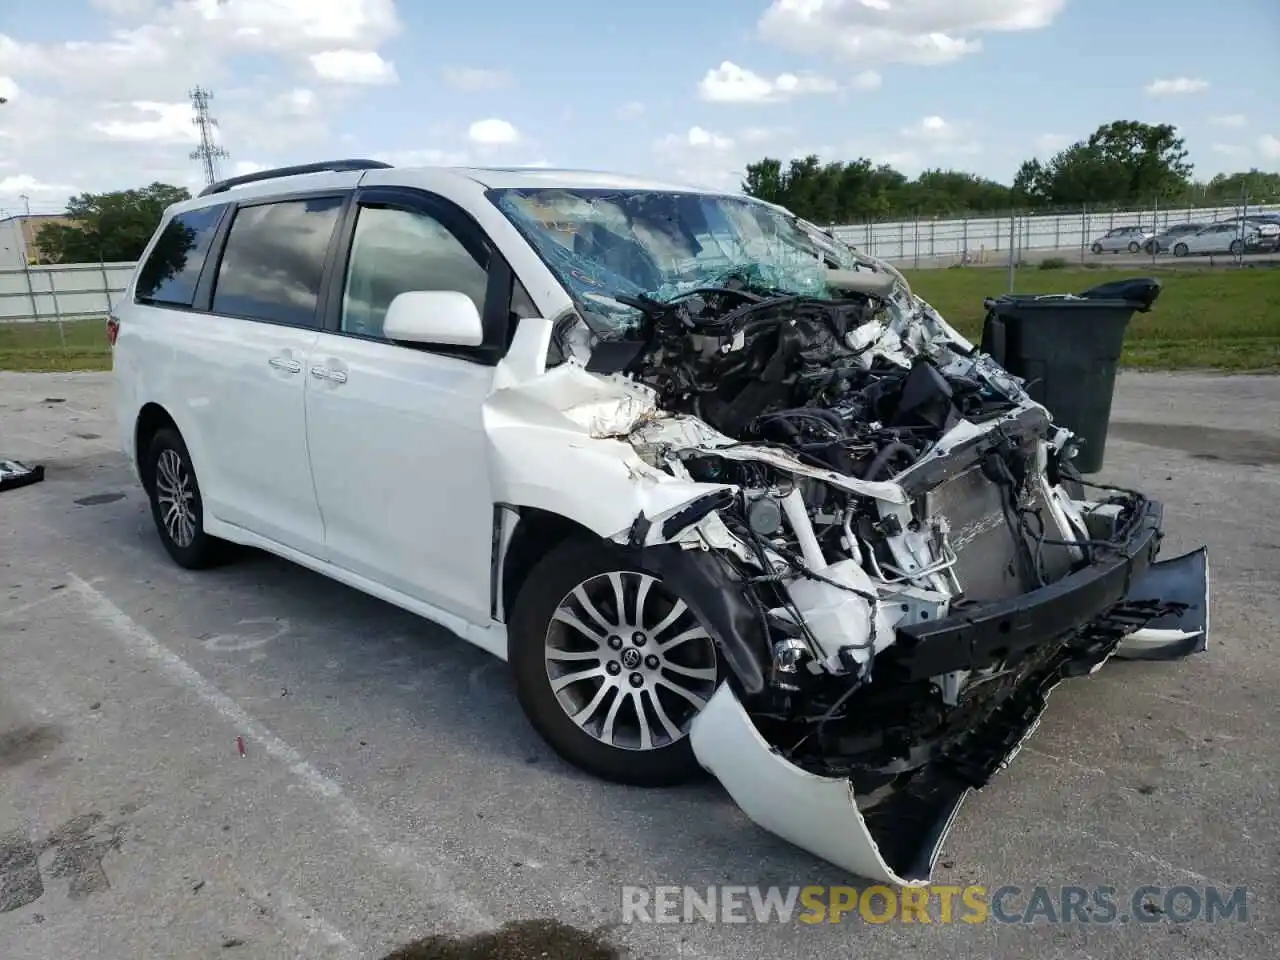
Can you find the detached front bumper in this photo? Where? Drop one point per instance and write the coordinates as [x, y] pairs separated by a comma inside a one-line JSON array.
[[1125, 602]]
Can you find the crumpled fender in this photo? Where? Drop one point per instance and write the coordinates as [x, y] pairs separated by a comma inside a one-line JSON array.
[[558, 443]]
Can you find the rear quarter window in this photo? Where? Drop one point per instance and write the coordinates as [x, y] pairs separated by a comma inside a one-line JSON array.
[[172, 270]]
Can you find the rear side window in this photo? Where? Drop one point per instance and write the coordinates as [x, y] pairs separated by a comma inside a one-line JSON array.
[[273, 265], [172, 271]]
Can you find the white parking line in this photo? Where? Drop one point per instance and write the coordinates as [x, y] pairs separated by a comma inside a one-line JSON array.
[[1163, 864], [302, 924], [456, 907], [27, 607]]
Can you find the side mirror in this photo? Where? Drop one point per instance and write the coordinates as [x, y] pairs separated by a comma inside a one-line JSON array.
[[434, 316]]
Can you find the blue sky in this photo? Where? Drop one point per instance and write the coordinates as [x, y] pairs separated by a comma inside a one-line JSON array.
[[97, 88]]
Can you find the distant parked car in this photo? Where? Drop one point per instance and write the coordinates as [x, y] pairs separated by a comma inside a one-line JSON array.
[[1165, 239], [1132, 239], [1227, 237]]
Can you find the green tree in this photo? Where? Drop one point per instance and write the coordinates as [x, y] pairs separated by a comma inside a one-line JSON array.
[[109, 226], [1121, 163], [1255, 185]]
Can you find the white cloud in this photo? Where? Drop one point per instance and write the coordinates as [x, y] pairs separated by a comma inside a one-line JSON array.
[[20, 191], [698, 137], [1229, 120], [702, 157], [1176, 85], [158, 123], [424, 157], [866, 80], [905, 31], [1050, 143], [352, 66], [298, 101], [492, 132], [1269, 146], [930, 128], [938, 136], [8, 89], [1228, 149], [106, 108], [631, 111], [762, 134], [124, 8], [730, 83], [473, 79]]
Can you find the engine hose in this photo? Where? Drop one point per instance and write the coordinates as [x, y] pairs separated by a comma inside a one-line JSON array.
[[829, 417], [887, 453]]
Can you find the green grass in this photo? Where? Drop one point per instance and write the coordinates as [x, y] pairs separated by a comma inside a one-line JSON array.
[[1204, 319], [38, 346]]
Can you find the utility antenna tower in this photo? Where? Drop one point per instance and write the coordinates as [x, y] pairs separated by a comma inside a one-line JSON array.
[[208, 153]]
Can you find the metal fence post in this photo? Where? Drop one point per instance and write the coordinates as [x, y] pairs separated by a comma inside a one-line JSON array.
[[57, 310], [1013, 220], [106, 282]]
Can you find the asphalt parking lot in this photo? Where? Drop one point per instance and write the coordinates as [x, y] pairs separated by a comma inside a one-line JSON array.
[[390, 789]]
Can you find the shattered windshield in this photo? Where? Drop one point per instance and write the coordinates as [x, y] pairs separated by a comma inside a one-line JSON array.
[[644, 243]]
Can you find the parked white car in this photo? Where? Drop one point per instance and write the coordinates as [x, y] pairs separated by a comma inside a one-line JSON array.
[[1234, 237], [1163, 241], [723, 492], [1122, 239]]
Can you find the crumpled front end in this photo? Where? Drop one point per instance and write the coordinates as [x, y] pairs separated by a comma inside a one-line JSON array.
[[887, 814], [871, 690], [872, 521], [897, 579]]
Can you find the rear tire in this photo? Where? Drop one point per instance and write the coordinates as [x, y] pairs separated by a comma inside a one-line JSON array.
[[176, 506], [653, 644], [1236, 248]]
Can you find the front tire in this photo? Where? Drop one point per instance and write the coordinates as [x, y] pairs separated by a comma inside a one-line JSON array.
[[610, 665], [1097, 248], [176, 506], [1133, 246], [1180, 250], [1236, 248]]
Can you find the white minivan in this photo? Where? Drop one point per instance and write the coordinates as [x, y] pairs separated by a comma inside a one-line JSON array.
[[723, 491]]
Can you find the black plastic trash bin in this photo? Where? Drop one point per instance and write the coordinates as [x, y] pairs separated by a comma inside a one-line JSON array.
[[1067, 346]]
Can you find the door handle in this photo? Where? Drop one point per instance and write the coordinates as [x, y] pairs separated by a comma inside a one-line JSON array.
[[282, 363], [324, 373]]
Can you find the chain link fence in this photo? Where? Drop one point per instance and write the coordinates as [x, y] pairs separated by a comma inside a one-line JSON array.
[[1028, 238], [53, 317]]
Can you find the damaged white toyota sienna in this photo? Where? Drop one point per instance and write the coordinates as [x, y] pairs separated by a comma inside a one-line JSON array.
[[721, 490]]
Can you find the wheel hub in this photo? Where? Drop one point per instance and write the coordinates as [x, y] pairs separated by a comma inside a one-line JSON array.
[[175, 495], [628, 661]]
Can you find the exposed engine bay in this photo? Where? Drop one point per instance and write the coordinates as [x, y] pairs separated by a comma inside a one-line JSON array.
[[882, 561]]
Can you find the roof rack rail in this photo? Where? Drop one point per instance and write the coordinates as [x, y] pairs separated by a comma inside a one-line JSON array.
[[324, 166]]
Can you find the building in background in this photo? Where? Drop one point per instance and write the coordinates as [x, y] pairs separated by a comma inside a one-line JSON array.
[[18, 239]]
